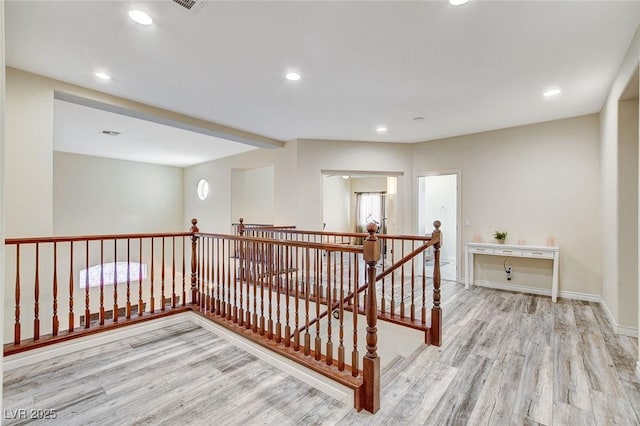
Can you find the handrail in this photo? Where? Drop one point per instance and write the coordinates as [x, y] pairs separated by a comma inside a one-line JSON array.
[[320, 246], [427, 237], [404, 260], [74, 238]]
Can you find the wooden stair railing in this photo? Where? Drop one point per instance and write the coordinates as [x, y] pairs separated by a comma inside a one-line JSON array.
[[265, 289], [71, 286], [402, 284]]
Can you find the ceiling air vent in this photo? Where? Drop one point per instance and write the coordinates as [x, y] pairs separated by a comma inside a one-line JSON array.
[[187, 4], [110, 132]]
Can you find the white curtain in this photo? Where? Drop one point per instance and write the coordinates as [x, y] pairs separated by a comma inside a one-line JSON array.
[[369, 208]]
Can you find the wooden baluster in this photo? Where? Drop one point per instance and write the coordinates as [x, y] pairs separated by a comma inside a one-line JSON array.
[[247, 272], [278, 279], [355, 357], [307, 283], [151, 282], [128, 306], [296, 321], [424, 287], [87, 311], [101, 309], [318, 282], [217, 268], [229, 262], [371, 361], [206, 282], [383, 302], [238, 268], [184, 256], [115, 280], [392, 308], [36, 296], [436, 311], [350, 302], [162, 278], [263, 273], [287, 286], [225, 266], [413, 277], [270, 271], [194, 261], [71, 288], [255, 277], [215, 274], [341, 317], [219, 282], [402, 307], [54, 319], [140, 279], [204, 265], [16, 326], [329, 354], [173, 272]]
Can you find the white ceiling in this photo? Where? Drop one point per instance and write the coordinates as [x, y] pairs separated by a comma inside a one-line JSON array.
[[78, 129], [476, 67]]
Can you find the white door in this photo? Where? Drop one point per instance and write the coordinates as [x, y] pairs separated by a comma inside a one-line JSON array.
[[438, 200]]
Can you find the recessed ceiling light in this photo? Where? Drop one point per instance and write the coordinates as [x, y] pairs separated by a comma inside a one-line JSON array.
[[551, 93], [381, 129], [458, 2], [103, 75], [140, 17], [345, 177], [293, 76]]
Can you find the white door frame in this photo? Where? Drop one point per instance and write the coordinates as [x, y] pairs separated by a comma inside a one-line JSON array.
[[458, 173]]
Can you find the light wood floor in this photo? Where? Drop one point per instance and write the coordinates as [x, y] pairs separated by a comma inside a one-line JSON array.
[[507, 358]]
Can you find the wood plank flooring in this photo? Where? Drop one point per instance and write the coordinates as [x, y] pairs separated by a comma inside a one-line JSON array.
[[507, 359]]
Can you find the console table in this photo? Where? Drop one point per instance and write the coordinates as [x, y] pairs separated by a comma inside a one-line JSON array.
[[507, 250]]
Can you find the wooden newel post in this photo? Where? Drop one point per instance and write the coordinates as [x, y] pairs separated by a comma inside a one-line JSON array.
[[371, 361], [194, 261], [436, 311], [241, 227]]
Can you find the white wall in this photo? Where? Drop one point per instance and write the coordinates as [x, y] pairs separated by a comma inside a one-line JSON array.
[[29, 155], [336, 209], [94, 195], [315, 156], [215, 213], [533, 181], [252, 195], [628, 214], [609, 184]]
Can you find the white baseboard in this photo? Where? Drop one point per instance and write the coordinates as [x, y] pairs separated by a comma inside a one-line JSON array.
[[623, 330], [638, 369], [587, 297], [617, 328]]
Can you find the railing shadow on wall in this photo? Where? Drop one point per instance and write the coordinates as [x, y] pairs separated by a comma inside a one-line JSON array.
[[301, 294]]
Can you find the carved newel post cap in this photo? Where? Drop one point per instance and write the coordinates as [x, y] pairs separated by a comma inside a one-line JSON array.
[[241, 220], [371, 248], [194, 221], [372, 228], [437, 224]]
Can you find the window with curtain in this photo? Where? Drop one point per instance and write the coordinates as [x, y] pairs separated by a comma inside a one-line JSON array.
[[369, 208]]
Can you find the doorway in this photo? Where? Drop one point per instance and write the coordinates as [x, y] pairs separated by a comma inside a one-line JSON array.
[[439, 199]]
